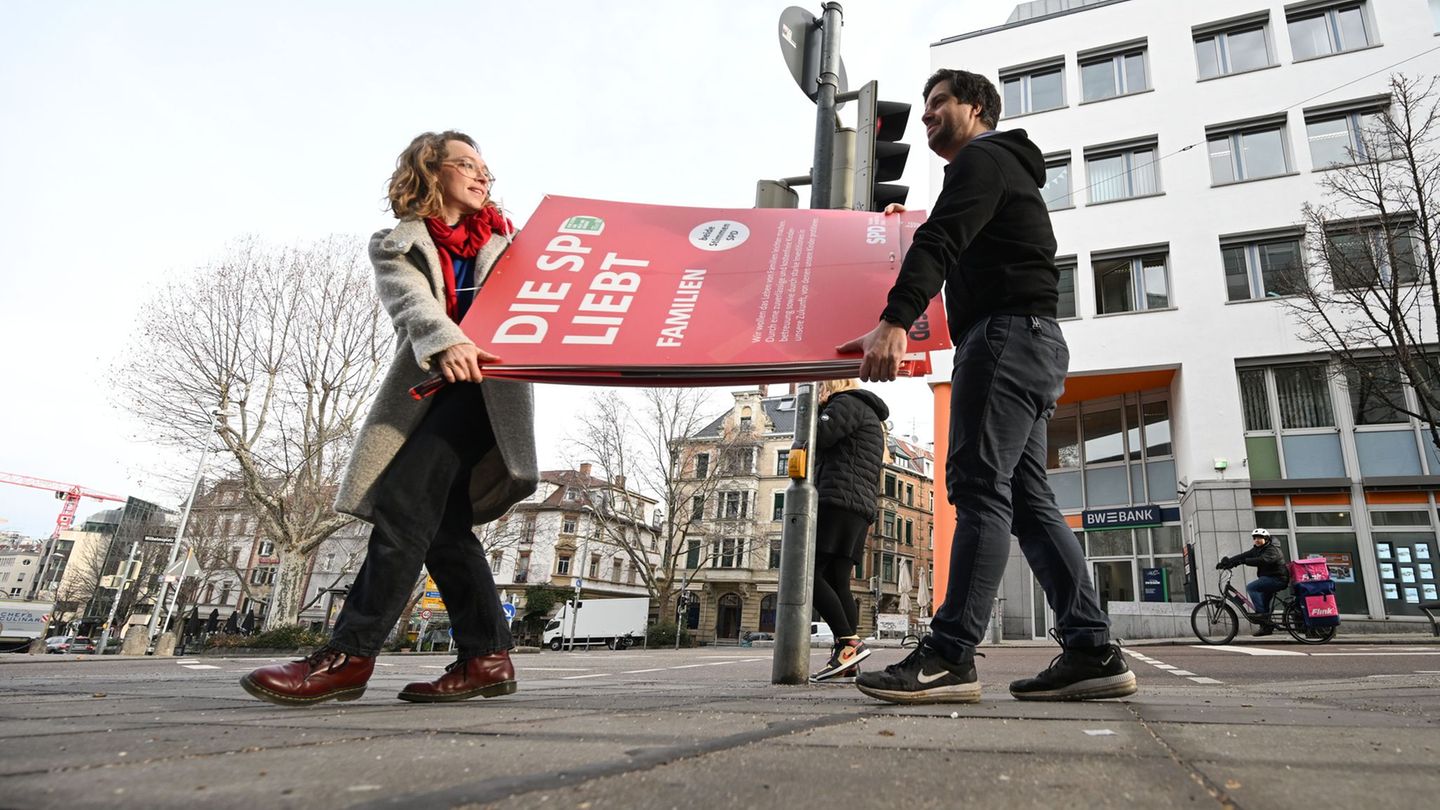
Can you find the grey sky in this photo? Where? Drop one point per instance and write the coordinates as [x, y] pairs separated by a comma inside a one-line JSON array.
[[137, 139]]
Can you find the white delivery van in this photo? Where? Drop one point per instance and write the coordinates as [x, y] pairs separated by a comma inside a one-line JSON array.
[[22, 622], [597, 621]]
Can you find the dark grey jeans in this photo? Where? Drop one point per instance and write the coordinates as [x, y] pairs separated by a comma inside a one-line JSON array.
[[1009, 370], [423, 514]]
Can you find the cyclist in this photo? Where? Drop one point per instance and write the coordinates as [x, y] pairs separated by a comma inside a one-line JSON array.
[[1269, 564]]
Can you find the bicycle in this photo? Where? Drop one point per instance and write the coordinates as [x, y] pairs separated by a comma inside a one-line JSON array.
[[1215, 622]]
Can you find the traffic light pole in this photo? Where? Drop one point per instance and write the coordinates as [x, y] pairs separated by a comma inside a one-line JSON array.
[[791, 663]]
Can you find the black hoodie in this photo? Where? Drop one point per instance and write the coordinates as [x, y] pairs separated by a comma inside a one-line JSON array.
[[988, 240], [850, 451]]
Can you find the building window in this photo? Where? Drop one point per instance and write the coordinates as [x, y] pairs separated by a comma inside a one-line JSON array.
[[1233, 48], [692, 554], [1377, 394], [774, 561], [697, 508], [562, 564], [887, 530], [778, 507], [782, 462], [1033, 89], [572, 494], [569, 524], [1119, 174], [522, 568], [1249, 152], [890, 482], [1347, 138], [909, 494], [1290, 423], [267, 548], [1132, 284], [1341, 27], [909, 532], [594, 566], [1117, 72], [1056, 190], [1363, 256], [615, 567], [496, 560], [1066, 307], [738, 461], [702, 465], [728, 553], [734, 505], [1256, 269]]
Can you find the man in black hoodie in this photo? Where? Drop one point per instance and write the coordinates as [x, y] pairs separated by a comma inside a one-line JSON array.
[[988, 242]]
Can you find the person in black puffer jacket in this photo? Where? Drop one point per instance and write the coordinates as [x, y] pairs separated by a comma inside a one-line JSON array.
[[849, 454], [1271, 576]]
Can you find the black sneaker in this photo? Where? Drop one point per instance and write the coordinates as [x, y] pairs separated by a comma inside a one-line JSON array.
[[1265, 630], [1080, 673], [843, 658], [923, 676]]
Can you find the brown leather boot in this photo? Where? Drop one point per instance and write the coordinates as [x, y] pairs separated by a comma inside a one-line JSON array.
[[486, 676], [325, 674]]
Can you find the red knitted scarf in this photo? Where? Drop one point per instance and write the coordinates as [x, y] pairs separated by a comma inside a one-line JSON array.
[[463, 241]]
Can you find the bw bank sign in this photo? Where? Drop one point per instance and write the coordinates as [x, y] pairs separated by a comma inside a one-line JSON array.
[[1125, 517]]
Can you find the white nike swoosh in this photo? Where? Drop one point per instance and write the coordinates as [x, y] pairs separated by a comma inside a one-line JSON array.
[[927, 677]]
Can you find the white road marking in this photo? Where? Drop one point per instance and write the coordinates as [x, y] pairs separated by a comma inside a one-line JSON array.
[[1245, 650], [553, 669], [688, 666], [638, 671], [578, 677], [1372, 654], [200, 666], [1183, 672], [188, 661], [1206, 680], [1163, 666]]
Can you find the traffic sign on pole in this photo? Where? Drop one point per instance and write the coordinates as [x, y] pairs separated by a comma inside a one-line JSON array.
[[425, 615]]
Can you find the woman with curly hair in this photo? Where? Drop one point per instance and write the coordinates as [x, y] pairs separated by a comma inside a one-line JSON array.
[[425, 473]]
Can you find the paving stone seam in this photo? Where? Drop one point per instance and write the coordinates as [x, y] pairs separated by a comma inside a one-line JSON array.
[[493, 790], [1216, 792]]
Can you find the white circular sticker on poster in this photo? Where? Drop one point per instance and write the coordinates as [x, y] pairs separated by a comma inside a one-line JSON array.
[[719, 234]]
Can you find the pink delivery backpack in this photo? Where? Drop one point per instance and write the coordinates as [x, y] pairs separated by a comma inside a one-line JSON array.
[[1314, 591]]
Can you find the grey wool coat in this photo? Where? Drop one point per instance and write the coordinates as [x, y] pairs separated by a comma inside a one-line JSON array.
[[411, 286]]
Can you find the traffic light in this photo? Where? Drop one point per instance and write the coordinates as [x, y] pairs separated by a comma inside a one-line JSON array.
[[879, 155]]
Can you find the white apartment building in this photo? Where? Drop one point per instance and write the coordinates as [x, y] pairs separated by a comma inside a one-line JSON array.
[[1183, 139], [555, 536]]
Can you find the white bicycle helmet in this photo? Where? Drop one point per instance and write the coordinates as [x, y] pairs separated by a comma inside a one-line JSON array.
[[1260, 533]]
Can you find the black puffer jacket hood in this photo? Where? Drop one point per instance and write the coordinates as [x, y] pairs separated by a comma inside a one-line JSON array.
[[1268, 559], [850, 452]]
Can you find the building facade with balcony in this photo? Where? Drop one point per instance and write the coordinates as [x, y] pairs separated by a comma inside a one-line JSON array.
[[1182, 142], [575, 525], [732, 561]]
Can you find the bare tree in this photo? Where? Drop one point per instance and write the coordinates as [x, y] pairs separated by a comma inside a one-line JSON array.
[[288, 345], [650, 443], [1371, 295]]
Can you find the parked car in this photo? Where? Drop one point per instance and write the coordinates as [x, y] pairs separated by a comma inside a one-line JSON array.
[[69, 644], [820, 634]]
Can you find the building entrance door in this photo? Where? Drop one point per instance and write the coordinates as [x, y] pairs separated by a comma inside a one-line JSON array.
[[1114, 580], [727, 618]]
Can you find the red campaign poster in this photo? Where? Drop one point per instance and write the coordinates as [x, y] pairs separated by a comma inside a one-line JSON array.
[[604, 287]]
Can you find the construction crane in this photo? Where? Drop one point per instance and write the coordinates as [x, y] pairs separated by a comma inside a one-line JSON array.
[[69, 493]]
